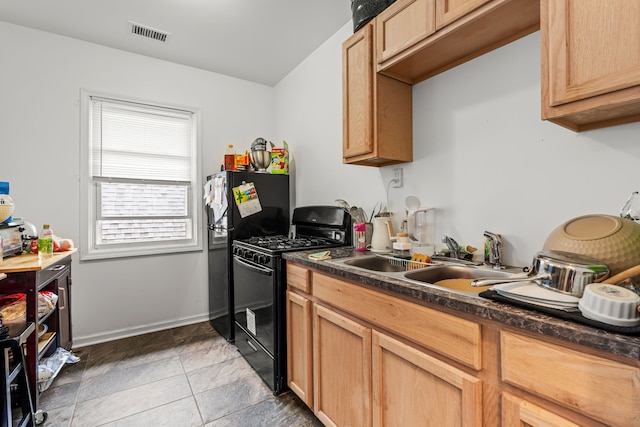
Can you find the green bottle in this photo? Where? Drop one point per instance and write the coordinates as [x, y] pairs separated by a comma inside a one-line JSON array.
[[45, 242]]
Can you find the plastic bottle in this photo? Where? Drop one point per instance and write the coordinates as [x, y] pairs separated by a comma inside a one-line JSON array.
[[230, 159], [359, 237], [45, 242]]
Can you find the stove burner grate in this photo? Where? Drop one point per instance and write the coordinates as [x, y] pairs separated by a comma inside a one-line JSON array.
[[283, 242]]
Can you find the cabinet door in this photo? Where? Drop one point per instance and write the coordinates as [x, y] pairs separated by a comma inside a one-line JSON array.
[[299, 347], [402, 25], [448, 11], [357, 84], [573, 379], [594, 48], [411, 388], [64, 310], [341, 369], [519, 412]]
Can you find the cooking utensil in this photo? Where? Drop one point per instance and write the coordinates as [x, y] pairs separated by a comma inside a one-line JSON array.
[[626, 274], [613, 240], [412, 203], [373, 211], [354, 214], [343, 204], [361, 215], [563, 272]]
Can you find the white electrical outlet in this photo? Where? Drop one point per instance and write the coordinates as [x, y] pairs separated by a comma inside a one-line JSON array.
[[397, 178]]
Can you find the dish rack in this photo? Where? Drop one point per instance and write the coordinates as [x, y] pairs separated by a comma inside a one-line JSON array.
[[407, 264]]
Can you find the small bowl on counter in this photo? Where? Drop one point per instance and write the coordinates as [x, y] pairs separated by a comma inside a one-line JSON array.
[[610, 304]]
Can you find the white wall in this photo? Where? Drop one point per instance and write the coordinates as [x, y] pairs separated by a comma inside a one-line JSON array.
[[40, 81], [482, 155]]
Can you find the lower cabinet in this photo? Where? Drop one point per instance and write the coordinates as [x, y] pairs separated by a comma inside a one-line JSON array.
[[593, 386], [352, 374], [341, 369], [353, 359], [520, 412], [299, 347], [411, 388]]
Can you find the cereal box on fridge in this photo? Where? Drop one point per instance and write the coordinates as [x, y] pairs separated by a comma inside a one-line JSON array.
[[280, 159]]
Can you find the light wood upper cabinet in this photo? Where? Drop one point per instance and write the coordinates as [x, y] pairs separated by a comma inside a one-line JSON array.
[[408, 22], [357, 57], [410, 387], [417, 39], [377, 110], [403, 25], [342, 369], [448, 11], [590, 62]]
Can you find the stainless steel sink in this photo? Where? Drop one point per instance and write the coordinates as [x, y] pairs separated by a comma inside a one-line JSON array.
[[375, 263], [455, 277], [452, 276]]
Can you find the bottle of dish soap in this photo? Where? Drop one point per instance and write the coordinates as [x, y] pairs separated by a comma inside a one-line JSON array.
[[45, 242]]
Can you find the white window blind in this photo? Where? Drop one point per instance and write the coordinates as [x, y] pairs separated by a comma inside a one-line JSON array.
[[139, 141], [142, 177]]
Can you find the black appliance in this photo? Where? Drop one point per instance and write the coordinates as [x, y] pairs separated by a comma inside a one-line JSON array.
[[226, 223], [259, 282]]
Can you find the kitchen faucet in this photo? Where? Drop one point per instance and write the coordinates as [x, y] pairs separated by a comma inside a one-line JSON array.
[[454, 249], [495, 249]]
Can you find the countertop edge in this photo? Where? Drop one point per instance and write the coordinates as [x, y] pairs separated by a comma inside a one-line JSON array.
[[521, 318], [29, 262]]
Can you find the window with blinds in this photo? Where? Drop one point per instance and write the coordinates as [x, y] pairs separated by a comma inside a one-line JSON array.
[[142, 168]]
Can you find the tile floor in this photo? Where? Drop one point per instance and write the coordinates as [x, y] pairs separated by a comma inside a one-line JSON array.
[[187, 376]]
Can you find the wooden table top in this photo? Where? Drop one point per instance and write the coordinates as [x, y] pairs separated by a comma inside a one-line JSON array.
[[30, 262]]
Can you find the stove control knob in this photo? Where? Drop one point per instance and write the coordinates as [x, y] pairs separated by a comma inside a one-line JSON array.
[[267, 259]]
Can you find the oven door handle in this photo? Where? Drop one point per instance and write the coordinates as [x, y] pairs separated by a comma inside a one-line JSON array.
[[257, 268]]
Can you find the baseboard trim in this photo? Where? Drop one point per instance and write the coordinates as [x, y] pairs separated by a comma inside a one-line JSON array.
[[84, 341]]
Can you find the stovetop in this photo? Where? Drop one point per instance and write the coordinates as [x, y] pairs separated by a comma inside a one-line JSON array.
[[277, 244]]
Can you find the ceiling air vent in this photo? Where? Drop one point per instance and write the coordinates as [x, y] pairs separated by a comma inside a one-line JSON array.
[[152, 33]]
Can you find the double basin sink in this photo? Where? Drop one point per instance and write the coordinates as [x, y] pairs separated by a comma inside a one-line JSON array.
[[449, 275]]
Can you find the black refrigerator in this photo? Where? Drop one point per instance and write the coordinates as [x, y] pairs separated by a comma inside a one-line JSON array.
[[228, 221]]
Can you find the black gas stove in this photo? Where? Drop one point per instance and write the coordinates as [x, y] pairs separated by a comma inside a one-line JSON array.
[[259, 286]]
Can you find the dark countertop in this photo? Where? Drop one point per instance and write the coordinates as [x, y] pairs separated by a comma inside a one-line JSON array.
[[530, 320]]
